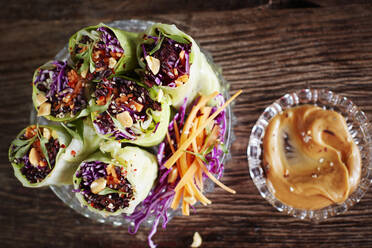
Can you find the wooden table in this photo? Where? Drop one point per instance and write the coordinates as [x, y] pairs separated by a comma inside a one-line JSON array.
[[266, 49]]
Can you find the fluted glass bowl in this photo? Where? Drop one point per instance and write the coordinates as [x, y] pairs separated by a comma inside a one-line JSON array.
[[66, 194], [359, 128]]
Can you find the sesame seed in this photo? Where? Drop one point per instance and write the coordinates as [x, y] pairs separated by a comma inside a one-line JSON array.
[[307, 139]]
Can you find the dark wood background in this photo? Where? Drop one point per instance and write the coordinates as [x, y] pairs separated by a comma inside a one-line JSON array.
[[265, 48]]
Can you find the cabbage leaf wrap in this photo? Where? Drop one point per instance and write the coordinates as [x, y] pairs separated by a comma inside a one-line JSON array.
[[99, 51], [110, 185], [36, 156], [172, 60], [59, 93], [122, 109]]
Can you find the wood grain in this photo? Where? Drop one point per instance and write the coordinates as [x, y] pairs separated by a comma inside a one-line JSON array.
[[264, 51]]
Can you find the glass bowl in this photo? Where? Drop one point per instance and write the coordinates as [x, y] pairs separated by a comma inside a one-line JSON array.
[[359, 128], [66, 194]]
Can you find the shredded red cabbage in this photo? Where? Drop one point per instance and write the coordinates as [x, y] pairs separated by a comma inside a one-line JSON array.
[[61, 91], [174, 61], [109, 42], [214, 164]]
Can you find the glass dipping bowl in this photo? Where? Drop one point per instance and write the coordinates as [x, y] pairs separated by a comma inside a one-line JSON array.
[[66, 194], [359, 128]]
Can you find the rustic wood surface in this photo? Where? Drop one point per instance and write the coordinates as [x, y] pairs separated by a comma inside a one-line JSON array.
[[266, 48]]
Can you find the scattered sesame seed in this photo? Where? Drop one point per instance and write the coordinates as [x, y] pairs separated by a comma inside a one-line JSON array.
[[321, 160], [307, 139]]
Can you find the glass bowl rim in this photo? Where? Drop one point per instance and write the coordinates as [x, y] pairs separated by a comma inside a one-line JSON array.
[[326, 99]]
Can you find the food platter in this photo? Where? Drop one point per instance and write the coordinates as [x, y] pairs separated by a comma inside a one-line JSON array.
[[66, 194]]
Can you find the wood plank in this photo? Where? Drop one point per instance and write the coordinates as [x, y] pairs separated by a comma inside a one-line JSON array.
[[266, 52]]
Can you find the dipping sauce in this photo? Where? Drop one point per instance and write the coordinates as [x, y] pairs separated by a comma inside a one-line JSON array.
[[310, 158]]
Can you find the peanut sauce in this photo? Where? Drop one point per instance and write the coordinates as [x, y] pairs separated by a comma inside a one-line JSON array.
[[310, 157]]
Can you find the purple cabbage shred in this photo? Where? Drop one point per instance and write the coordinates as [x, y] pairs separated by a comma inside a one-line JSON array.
[[55, 84], [174, 61]]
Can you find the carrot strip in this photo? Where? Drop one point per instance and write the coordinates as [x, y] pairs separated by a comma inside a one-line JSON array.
[[185, 208], [198, 195], [177, 132], [189, 199], [187, 176], [176, 199], [170, 162], [197, 179], [215, 180], [173, 151], [201, 103], [205, 111]]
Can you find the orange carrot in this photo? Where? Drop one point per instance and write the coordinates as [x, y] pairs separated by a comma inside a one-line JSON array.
[[190, 166], [188, 141]]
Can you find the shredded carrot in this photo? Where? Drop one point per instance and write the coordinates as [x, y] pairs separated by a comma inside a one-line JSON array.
[[185, 144], [187, 177], [185, 208], [215, 180], [192, 142], [176, 131], [176, 199]]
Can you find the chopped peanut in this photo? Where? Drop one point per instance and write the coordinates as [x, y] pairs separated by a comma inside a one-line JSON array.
[[153, 63], [40, 99], [125, 119], [34, 157], [98, 185], [197, 240], [44, 109], [112, 63]]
